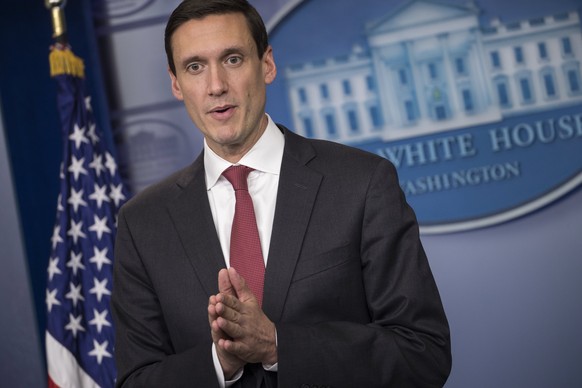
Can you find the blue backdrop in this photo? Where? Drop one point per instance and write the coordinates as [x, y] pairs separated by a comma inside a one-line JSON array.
[[511, 291]]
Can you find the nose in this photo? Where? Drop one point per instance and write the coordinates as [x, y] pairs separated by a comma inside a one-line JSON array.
[[217, 82]]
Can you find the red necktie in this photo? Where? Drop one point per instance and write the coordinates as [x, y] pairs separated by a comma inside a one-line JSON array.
[[245, 246]]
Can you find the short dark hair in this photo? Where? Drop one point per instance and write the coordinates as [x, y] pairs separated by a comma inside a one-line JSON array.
[[198, 9]]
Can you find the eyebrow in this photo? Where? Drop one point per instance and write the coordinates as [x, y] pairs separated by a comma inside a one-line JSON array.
[[186, 61], [225, 53], [233, 50]]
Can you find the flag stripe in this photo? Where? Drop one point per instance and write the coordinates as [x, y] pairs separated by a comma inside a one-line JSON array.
[[62, 366]]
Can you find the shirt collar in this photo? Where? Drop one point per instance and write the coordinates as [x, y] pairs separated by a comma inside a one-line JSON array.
[[266, 155]]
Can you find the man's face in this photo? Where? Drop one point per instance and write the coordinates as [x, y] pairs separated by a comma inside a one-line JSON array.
[[222, 81]]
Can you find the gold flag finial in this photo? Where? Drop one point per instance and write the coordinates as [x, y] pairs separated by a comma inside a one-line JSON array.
[[61, 58], [57, 8]]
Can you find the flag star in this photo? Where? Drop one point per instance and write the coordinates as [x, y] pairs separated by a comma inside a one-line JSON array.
[[100, 351], [110, 163], [76, 199], [88, 103], [76, 167], [97, 164], [75, 324], [74, 293], [75, 232], [100, 257], [51, 299], [99, 320], [92, 133], [99, 195], [61, 171], [99, 226], [116, 194], [75, 262], [56, 238], [99, 288], [53, 268], [60, 207], [78, 136]]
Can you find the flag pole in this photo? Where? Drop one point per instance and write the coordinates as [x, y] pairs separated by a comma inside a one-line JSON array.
[[57, 9], [79, 333]]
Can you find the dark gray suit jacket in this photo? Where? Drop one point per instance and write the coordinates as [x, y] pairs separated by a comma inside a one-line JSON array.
[[347, 283]]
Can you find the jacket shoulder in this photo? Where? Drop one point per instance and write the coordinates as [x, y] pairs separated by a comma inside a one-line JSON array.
[[159, 194], [325, 154]]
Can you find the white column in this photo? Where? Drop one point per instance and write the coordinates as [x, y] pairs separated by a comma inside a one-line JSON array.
[[457, 105], [482, 75], [416, 77], [385, 89]]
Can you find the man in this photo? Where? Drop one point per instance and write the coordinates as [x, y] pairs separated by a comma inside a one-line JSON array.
[[348, 297]]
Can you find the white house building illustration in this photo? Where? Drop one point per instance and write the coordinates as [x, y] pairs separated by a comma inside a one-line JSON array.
[[430, 67]]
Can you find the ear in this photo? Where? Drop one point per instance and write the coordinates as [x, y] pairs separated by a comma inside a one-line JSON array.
[[269, 66], [176, 90]]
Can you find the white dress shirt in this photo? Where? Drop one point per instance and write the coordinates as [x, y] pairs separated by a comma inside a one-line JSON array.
[[265, 158]]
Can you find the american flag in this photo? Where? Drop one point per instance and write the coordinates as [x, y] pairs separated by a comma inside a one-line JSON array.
[[79, 333]]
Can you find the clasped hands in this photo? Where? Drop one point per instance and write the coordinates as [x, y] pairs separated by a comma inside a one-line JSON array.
[[241, 331]]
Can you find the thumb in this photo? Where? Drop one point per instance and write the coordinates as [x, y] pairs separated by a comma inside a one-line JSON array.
[[224, 284], [240, 286]]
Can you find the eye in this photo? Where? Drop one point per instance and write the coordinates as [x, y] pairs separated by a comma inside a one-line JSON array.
[[233, 60], [194, 68]]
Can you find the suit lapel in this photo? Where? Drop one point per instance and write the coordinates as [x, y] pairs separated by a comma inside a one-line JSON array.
[[298, 187], [192, 218]]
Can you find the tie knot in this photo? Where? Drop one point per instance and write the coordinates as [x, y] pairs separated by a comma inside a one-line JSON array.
[[237, 176]]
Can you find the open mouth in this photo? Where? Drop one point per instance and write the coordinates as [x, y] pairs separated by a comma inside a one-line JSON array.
[[221, 109], [222, 112]]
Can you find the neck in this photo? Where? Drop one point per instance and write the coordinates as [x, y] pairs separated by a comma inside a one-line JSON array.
[[233, 153]]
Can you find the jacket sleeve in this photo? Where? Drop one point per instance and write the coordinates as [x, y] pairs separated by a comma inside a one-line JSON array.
[[406, 341], [144, 352]]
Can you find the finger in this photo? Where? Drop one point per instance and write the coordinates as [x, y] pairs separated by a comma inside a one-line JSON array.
[[239, 349], [213, 314], [240, 286], [224, 283], [211, 309], [234, 348], [212, 301], [228, 313], [229, 328], [214, 329], [217, 332], [229, 301], [229, 362]]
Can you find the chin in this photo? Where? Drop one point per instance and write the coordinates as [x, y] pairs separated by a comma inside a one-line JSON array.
[[228, 140]]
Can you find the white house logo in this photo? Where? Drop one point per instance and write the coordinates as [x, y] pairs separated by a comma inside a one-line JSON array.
[[483, 122]]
